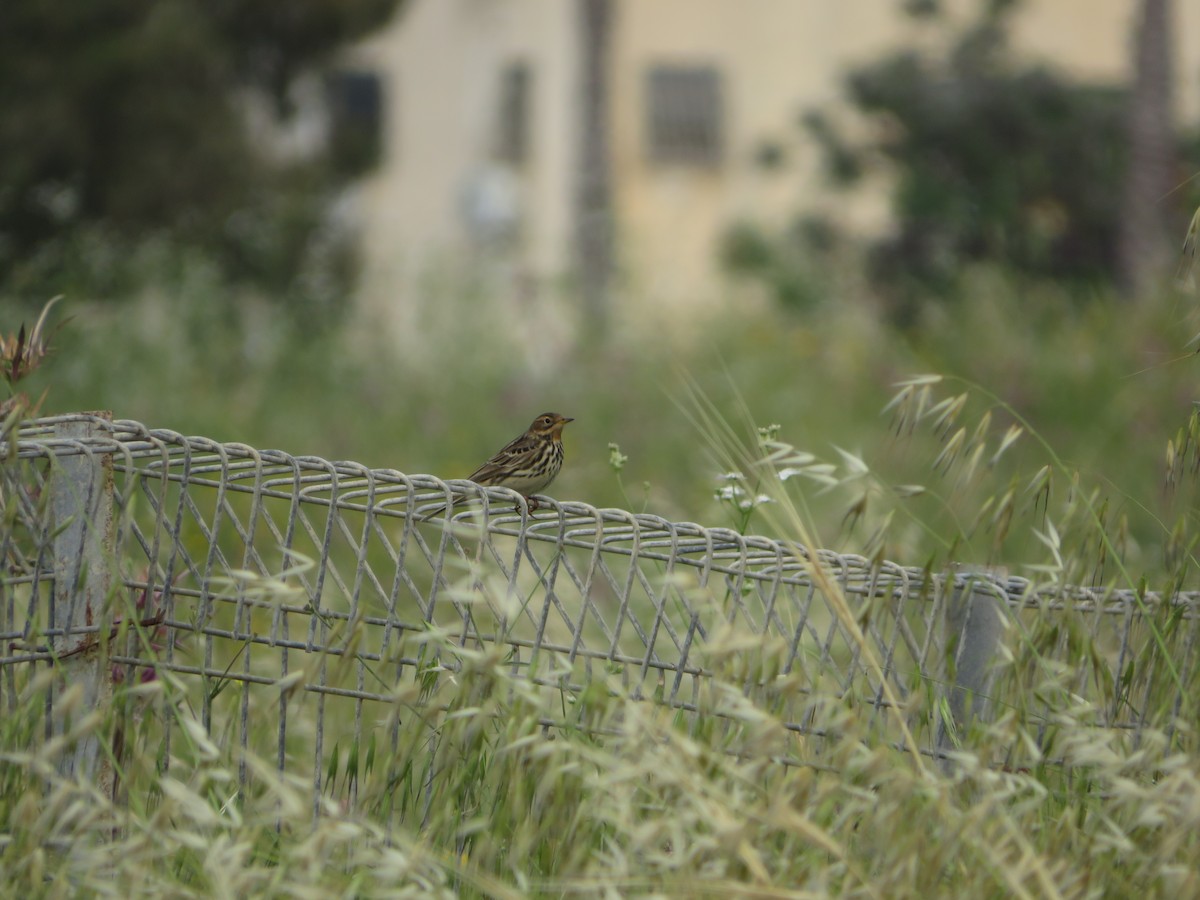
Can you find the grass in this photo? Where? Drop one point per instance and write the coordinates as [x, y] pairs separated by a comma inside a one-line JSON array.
[[1092, 381], [656, 805], [1041, 446]]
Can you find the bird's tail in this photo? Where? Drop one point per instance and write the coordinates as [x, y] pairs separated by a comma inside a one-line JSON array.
[[434, 512], [458, 500]]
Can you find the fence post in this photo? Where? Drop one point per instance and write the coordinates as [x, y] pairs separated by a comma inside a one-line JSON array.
[[973, 623], [81, 501]]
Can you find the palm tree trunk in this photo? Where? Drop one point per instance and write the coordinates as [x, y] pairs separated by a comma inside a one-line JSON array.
[[1143, 239], [593, 207]]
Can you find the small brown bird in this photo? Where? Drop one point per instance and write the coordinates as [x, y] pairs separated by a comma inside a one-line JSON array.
[[527, 464]]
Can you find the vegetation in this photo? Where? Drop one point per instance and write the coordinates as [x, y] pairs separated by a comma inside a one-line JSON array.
[[1091, 381], [127, 135], [991, 160], [1051, 460], [1018, 428]]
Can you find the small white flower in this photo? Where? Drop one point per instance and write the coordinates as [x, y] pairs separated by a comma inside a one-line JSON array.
[[729, 492], [616, 459]]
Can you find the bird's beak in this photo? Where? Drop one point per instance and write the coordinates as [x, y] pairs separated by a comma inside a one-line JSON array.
[[566, 419]]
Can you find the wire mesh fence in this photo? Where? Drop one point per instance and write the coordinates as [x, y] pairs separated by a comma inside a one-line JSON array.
[[305, 607]]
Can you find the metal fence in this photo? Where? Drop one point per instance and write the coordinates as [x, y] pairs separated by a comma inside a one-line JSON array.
[[252, 575]]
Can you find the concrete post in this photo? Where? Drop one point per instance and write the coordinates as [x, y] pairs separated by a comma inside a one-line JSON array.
[[81, 500], [973, 623]]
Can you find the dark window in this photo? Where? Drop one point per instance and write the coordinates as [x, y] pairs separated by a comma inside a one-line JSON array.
[[685, 114], [356, 119], [512, 133]]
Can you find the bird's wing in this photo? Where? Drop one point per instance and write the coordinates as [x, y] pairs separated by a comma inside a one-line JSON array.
[[502, 462]]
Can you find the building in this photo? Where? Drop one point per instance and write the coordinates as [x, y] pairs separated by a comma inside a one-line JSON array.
[[480, 107]]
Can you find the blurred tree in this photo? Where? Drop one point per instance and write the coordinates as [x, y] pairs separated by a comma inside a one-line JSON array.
[[1144, 223], [992, 161], [127, 122]]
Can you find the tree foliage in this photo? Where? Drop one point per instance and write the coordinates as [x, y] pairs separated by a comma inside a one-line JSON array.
[[993, 161], [125, 121]]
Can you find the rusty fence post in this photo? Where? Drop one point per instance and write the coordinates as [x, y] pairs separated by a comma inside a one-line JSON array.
[[81, 501]]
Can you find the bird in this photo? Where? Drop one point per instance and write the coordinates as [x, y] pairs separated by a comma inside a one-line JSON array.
[[527, 464]]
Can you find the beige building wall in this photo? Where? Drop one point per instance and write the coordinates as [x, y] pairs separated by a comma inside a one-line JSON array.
[[441, 64], [777, 59]]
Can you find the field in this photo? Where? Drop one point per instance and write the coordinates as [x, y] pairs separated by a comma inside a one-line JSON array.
[[1017, 427]]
